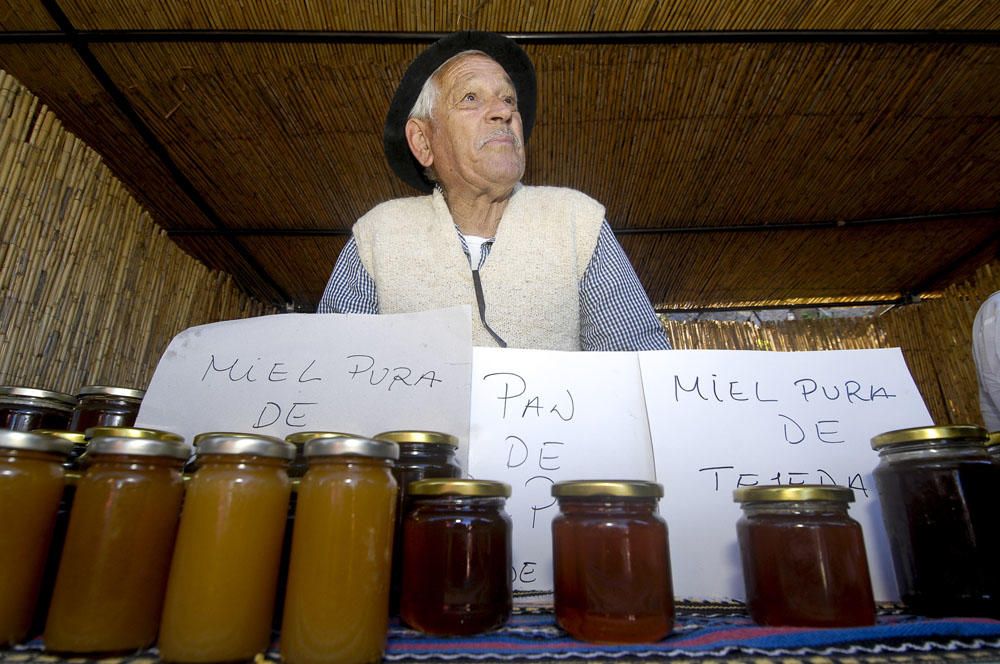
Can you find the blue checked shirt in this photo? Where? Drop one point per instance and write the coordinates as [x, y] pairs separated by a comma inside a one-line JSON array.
[[615, 313]]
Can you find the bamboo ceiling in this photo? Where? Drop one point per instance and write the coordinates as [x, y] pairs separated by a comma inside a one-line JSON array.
[[793, 151]]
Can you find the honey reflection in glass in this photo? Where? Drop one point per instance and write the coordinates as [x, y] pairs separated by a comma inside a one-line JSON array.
[[220, 595], [337, 601], [31, 485], [113, 572]]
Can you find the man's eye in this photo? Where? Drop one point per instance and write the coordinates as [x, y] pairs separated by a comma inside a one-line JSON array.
[[510, 100], [469, 97]]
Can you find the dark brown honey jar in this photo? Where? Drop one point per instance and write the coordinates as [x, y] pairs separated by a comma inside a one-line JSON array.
[[804, 561], [456, 571], [28, 408], [31, 487], [939, 490], [113, 572], [422, 454], [611, 562], [106, 406]]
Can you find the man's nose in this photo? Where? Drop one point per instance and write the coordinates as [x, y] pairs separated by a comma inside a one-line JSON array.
[[500, 110]]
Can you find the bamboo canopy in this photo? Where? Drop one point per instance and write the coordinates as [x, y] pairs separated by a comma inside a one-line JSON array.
[[788, 152]]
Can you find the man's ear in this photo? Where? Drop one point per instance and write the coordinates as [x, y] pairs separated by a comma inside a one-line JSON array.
[[419, 140]]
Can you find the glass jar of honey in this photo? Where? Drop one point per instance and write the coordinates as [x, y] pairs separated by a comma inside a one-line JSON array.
[[296, 470], [611, 561], [72, 465], [28, 408], [993, 445], [113, 572], [939, 490], [31, 486], [422, 454], [457, 567], [804, 561], [105, 406], [220, 593], [337, 601]]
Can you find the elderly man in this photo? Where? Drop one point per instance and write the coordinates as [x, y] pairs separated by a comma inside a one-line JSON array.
[[540, 265]]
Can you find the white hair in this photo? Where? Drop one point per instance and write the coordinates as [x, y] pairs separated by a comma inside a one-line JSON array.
[[423, 108]]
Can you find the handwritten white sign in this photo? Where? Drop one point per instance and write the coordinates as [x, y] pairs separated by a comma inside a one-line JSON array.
[[540, 417], [724, 419], [306, 372]]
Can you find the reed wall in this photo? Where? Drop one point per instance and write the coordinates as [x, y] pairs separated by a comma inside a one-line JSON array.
[[91, 289]]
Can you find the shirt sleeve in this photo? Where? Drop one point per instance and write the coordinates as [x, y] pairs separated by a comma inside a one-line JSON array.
[[615, 312], [350, 290], [986, 354]]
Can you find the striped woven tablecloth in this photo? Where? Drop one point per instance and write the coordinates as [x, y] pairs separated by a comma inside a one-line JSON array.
[[703, 633]]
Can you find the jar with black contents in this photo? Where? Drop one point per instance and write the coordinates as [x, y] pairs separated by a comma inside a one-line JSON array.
[[106, 406], [422, 455], [939, 490], [804, 561], [31, 486], [28, 408], [456, 573], [611, 562]]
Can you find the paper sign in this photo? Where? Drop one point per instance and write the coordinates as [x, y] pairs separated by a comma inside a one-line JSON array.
[[539, 417], [276, 375], [724, 419]]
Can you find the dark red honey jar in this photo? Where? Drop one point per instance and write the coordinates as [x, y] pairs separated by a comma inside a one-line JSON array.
[[804, 561], [456, 571], [611, 560]]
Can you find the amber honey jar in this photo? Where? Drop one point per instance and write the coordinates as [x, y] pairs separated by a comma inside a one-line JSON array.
[[804, 561], [422, 454], [113, 572], [220, 593], [939, 490], [337, 600], [456, 571], [72, 464], [31, 487], [28, 408], [105, 406], [611, 562]]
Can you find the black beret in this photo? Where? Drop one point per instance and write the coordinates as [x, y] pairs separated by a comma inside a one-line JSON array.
[[508, 55]]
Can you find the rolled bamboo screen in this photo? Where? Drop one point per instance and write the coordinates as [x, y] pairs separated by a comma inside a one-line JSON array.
[[91, 290]]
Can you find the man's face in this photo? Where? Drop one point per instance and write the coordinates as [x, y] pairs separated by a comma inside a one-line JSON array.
[[475, 135]]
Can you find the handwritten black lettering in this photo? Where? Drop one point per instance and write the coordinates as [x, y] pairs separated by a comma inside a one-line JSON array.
[[430, 377], [756, 391], [357, 366], [826, 433], [516, 444], [542, 457], [852, 387], [507, 396], [715, 390], [793, 436], [735, 394], [302, 376], [572, 409], [535, 509], [716, 470], [807, 385], [532, 404], [400, 374], [857, 482], [527, 574], [292, 419], [274, 373], [740, 482], [694, 388], [825, 475], [791, 480], [269, 407]]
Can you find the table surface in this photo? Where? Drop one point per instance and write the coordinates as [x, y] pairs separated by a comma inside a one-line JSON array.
[[703, 633]]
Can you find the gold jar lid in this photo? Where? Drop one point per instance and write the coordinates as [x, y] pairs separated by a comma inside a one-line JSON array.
[[76, 437], [300, 438], [351, 446], [132, 446], [440, 486], [994, 439], [794, 494], [404, 437], [59, 400], [613, 488], [964, 433], [111, 391], [134, 432], [227, 442], [33, 442]]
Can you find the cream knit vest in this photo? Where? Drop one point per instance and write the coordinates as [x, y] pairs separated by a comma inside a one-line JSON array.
[[531, 280]]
